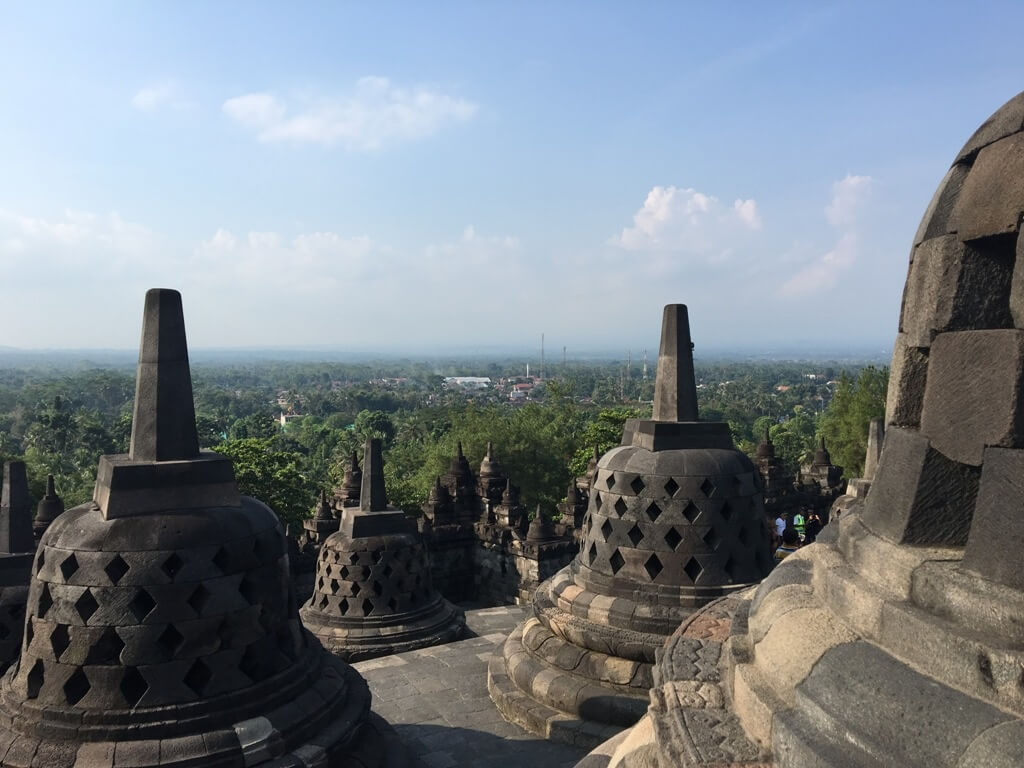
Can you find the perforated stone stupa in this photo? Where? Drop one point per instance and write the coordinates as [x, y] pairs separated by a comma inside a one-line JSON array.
[[373, 593], [675, 520], [906, 618], [17, 550], [161, 626]]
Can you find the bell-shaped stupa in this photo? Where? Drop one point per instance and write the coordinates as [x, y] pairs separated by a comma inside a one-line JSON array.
[[675, 520], [896, 639], [50, 507], [17, 549], [161, 626], [373, 594]]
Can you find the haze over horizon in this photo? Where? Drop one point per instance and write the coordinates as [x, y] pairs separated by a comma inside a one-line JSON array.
[[467, 175]]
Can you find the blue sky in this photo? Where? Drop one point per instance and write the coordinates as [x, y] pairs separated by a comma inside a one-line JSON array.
[[424, 175]]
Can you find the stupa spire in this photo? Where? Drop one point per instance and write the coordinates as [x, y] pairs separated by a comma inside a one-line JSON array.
[[164, 419], [675, 391], [372, 496]]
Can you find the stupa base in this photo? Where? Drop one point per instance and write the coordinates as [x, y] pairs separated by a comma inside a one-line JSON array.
[[328, 725], [369, 637], [577, 671]]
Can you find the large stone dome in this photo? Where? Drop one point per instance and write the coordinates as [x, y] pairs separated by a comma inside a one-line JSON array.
[[896, 638]]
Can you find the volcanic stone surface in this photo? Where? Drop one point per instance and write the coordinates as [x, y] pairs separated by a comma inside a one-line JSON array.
[[161, 626], [373, 593], [896, 638], [17, 549], [675, 520]]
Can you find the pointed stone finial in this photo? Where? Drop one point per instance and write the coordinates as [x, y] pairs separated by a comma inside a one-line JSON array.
[[15, 510], [458, 452], [675, 390], [164, 468], [490, 456], [572, 496], [767, 437], [821, 456], [323, 511], [372, 496], [164, 419], [353, 464]]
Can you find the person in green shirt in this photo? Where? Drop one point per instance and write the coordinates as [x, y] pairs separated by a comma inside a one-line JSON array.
[[800, 523]]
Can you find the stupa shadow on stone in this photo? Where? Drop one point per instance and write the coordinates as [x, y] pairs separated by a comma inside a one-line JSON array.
[[675, 521], [373, 593], [908, 615], [161, 626]]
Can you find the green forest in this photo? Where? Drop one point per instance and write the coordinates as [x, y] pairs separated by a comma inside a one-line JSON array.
[[59, 419]]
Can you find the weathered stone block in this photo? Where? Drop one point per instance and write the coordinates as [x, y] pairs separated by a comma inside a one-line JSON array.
[[911, 720], [992, 197], [919, 496], [876, 434], [952, 286], [972, 399], [908, 375], [1017, 287], [936, 219], [997, 533], [1009, 119]]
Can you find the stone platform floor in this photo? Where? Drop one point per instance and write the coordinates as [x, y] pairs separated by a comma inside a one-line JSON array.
[[436, 699]]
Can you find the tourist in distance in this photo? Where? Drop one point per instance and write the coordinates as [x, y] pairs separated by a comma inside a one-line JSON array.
[[800, 522], [814, 527], [790, 544]]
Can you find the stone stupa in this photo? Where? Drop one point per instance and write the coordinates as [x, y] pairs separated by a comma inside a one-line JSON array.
[[17, 549], [898, 639], [50, 507], [373, 594], [161, 626], [675, 521]]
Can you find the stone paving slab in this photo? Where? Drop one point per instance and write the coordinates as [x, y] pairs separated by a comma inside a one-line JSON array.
[[436, 699], [487, 621]]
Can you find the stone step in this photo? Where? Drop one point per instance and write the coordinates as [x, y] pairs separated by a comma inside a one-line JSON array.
[[900, 718]]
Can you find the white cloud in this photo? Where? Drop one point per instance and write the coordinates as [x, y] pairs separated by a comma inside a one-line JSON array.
[[472, 250], [376, 113], [674, 221], [849, 196], [309, 263], [70, 237], [748, 213], [167, 94]]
